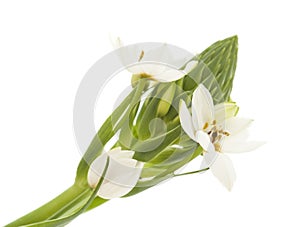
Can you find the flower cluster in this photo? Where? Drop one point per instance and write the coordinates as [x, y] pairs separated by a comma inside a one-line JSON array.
[[215, 128], [174, 113]]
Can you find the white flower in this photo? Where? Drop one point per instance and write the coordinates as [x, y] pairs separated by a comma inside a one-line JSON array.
[[151, 64], [218, 131], [122, 173]]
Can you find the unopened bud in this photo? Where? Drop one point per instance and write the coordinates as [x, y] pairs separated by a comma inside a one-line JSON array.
[[134, 79], [166, 100]]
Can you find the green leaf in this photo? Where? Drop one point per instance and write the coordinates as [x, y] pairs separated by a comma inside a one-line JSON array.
[[112, 124], [55, 206], [167, 173], [172, 155], [149, 111], [145, 150], [62, 221], [216, 69]]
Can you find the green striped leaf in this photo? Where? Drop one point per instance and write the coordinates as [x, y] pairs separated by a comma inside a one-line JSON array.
[[216, 69]]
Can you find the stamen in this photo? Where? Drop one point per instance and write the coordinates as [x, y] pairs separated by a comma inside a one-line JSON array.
[[214, 134], [217, 147], [214, 129], [146, 76], [141, 55], [219, 137], [226, 133]]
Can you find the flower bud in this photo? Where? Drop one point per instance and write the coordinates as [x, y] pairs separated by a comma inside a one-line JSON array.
[[134, 79], [166, 100], [122, 174]]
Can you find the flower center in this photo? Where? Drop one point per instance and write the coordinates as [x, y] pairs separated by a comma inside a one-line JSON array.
[[146, 76], [216, 134]]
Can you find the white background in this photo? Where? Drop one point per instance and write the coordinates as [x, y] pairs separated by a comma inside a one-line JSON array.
[[47, 47]]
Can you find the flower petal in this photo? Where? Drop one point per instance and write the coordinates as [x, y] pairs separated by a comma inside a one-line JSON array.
[[223, 169], [96, 170], [161, 53], [109, 190], [235, 125], [241, 136], [204, 140], [127, 55], [153, 68], [202, 107], [209, 158], [122, 174], [120, 179], [169, 75], [186, 120], [116, 42], [118, 153], [225, 110], [190, 66], [136, 69], [230, 146], [150, 61], [165, 54]]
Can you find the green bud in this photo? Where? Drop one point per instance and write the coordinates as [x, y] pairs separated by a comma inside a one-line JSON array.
[[134, 79], [166, 100]]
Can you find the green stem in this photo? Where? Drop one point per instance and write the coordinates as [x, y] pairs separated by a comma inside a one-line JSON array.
[[73, 206], [188, 173], [61, 203], [62, 221]]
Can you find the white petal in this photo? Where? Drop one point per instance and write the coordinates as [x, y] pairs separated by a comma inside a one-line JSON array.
[[202, 107], [186, 120], [153, 69], [241, 136], [223, 169], [118, 153], [116, 42], [136, 69], [235, 125], [96, 170], [230, 146], [160, 53], [120, 179], [225, 110], [109, 190], [164, 53], [122, 174], [204, 140], [169, 75], [209, 158], [129, 55], [190, 66], [120, 170]]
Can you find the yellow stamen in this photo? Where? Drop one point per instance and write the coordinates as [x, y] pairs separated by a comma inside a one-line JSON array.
[[205, 126], [141, 55], [226, 133], [217, 147], [146, 76]]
